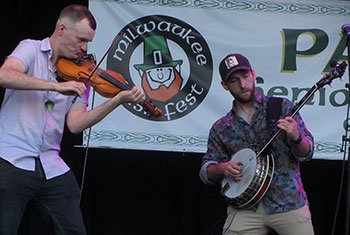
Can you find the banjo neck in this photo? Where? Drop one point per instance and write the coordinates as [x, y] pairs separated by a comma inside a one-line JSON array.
[[336, 72], [293, 112]]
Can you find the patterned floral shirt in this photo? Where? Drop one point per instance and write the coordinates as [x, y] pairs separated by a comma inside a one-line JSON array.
[[231, 133]]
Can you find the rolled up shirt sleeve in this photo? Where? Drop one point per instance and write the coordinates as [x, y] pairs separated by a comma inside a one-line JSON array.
[[215, 154], [203, 175]]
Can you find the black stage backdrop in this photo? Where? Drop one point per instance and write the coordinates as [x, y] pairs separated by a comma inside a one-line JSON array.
[[133, 192]]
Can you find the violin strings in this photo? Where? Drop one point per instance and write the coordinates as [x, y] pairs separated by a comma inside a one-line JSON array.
[[104, 56], [114, 81]]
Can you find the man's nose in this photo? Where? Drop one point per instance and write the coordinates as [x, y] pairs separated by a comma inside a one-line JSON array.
[[83, 47], [243, 83]]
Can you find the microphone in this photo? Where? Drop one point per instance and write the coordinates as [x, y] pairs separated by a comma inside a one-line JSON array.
[[346, 29]]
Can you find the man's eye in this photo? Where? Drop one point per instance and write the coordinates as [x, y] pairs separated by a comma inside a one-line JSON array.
[[81, 40]]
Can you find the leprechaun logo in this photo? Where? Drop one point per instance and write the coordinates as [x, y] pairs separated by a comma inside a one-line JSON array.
[[160, 74], [168, 59]]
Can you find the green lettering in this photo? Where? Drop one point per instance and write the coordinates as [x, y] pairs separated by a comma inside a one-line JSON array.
[[277, 91], [297, 91], [290, 41], [334, 102]]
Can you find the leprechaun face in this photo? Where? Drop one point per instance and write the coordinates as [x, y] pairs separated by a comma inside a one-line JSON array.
[[160, 76], [161, 83]]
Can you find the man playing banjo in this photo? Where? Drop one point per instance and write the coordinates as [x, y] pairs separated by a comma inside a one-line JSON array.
[[283, 205]]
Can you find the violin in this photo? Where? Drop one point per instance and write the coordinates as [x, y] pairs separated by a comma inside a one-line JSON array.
[[107, 83]]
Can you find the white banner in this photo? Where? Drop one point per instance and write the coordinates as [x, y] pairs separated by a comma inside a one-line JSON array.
[[172, 49]]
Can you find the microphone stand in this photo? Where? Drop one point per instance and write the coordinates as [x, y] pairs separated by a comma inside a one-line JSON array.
[[346, 140]]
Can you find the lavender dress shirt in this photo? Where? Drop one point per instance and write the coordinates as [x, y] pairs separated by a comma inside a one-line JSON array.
[[31, 121]]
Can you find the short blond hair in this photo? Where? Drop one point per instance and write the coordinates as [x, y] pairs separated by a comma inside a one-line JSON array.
[[75, 13]]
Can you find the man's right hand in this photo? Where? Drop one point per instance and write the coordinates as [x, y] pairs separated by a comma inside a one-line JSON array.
[[232, 170], [226, 169]]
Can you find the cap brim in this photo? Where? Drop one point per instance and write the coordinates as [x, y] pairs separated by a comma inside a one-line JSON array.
[[236, 69]]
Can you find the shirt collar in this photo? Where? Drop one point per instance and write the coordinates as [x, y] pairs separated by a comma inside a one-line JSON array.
[[46, 48], [259, 101], [45, 45], [259, 98]]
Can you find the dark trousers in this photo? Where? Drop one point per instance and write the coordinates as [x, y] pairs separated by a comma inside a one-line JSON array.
[[57, 199]]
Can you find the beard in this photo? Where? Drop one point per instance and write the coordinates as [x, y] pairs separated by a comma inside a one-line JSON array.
[[246, 98], [163, 93]]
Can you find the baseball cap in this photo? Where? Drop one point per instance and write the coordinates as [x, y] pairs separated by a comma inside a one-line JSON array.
[[232, 63]]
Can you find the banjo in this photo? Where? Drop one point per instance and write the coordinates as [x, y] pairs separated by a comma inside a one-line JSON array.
[[257, 166]]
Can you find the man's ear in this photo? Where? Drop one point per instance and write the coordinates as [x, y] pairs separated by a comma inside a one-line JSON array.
[[224, 85], [60, 29], [253, 74]]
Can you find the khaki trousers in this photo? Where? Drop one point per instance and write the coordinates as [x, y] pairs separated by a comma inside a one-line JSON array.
[[246, 222]]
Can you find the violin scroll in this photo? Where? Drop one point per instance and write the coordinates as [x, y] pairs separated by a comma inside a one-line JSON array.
[[152, 109]]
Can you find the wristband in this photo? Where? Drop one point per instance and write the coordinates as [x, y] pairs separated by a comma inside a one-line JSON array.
[[297, 141]]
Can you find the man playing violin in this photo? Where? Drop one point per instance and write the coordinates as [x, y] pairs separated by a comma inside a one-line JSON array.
[[284, 207], [32, 118]]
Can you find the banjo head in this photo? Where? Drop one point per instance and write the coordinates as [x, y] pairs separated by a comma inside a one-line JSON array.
[[231, 188]]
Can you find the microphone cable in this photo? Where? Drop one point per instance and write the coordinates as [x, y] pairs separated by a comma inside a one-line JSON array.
[[86, 152], [217, 223]]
